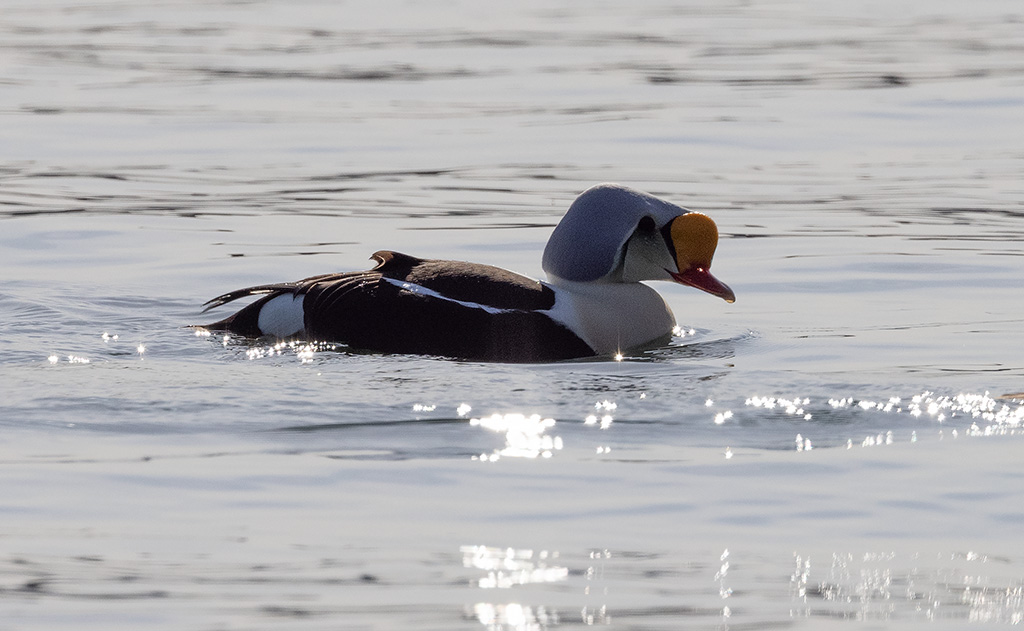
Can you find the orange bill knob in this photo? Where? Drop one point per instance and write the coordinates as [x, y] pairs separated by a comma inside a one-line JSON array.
[[695, 237]]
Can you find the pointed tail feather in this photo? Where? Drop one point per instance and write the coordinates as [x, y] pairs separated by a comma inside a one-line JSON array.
[[257, 290], [246, 321]]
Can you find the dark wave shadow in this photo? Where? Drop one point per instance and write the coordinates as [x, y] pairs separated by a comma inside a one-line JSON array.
[[330, 427]]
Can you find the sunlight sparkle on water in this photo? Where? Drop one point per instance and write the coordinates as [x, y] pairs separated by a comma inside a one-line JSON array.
[[525, 436], [880, 439], [305, 352], [72, 359], [508, 567], [790, 406], [514, 617], [874, 584], [971, 414], [605, 419], [720, 576], [592, 419], [988, 415]]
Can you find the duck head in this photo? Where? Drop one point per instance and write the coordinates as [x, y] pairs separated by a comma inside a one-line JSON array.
[[613, 233]]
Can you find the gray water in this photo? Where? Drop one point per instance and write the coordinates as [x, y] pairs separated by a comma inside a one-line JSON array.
[[837, 449]]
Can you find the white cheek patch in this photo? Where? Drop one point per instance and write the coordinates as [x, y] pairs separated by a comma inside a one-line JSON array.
[[647, 258], [282, 316]]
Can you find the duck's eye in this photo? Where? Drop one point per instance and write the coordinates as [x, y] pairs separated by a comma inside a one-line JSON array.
[[646, 224]]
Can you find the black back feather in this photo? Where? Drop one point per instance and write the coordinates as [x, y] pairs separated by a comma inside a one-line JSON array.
[[372, 310]]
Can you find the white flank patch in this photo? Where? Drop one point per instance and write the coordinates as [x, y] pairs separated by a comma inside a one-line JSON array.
[[282, 316], [423, 291]]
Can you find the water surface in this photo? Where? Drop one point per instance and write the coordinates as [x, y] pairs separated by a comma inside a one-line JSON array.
[[833, 450]]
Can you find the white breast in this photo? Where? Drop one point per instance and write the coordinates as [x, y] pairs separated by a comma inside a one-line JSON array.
[[611, 317]]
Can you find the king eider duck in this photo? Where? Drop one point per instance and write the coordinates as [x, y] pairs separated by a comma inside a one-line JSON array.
[[593, 303]]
